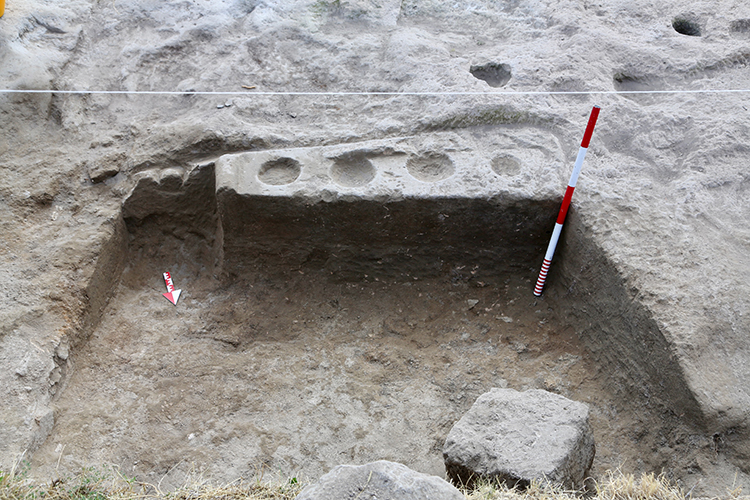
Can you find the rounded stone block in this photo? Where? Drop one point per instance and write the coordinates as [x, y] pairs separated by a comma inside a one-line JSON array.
[[381, 479], [519, 437]]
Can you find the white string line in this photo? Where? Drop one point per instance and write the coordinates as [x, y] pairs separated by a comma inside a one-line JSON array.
[[363, 93]]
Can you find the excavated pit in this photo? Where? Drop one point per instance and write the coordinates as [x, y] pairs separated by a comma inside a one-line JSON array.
[[315, 332]]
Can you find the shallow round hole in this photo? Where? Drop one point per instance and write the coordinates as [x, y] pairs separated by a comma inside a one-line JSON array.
[[506, 165], [352, 170], [686, 25], [431, 167], [740, 26], [495, 74], [279, 171], [627, 82]]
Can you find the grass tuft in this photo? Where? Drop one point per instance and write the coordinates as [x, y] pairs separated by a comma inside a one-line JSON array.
[[109, 484], [618, 486], [614, 486]]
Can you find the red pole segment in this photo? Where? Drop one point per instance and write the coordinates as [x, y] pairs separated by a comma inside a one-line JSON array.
[[566, 202]]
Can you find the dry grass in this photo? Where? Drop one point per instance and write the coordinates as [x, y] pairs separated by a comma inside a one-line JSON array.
[[109, 484], [490, 491], [627, 487], [615, 486]]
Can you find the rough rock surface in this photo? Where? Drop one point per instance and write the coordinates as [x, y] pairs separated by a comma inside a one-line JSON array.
[[650, 273], [381, 479], [519, 437]]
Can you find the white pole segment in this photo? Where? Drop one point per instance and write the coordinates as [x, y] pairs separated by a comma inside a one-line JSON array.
[[577, 167], [553, 242], [566, 202]]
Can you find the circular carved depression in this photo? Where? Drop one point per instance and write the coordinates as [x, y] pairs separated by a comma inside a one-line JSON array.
[[352, 171], [431, 167], [279, 171], [740, 26], [686, 24], [506, 165]]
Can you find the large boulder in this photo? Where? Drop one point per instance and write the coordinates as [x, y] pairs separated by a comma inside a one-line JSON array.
[[518, 437], [382, 480]]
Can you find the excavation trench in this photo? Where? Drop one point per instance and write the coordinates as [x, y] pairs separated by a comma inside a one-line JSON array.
[[313, 333]]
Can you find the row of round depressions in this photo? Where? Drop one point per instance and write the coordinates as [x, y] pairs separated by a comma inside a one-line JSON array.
[[689, 24], [355, 169]]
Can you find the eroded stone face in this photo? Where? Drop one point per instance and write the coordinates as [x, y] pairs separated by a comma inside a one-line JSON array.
[[520, 437], [393, 169]]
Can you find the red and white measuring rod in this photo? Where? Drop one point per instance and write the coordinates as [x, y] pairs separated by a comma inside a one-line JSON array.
[[566, 202]]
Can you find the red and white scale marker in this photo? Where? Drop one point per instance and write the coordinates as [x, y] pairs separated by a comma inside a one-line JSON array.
[[566, 202], [172, 295]]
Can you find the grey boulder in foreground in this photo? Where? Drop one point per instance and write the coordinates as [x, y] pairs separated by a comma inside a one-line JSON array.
[[382, 480], [518, 437]]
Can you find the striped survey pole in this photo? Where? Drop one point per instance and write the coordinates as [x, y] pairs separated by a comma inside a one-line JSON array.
[[566, 202]]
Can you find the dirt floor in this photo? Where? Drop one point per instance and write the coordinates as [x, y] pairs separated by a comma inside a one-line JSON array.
[[292, 372]]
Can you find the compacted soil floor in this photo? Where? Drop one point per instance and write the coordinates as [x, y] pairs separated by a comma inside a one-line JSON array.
[[292, 372]]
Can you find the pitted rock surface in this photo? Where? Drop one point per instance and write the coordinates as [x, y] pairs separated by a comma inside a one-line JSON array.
[[519, 437]]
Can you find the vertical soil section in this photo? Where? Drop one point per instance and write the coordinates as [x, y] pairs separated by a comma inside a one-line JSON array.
[[103, 282], [171, 215], [394, 240]]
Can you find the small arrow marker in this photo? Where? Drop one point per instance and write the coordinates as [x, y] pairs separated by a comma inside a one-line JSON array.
[[172, 295]]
